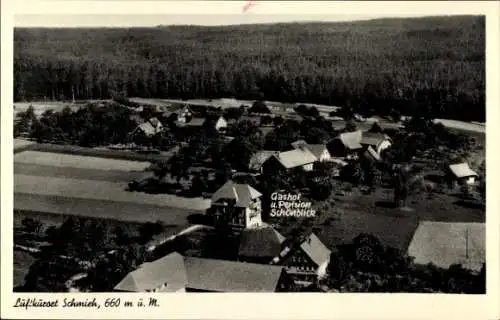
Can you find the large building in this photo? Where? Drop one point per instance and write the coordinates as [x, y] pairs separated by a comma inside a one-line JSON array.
[[260, 245], [237, 205], [304, 261], [349, 145], [287, 160], [320, 151], [177, 273]]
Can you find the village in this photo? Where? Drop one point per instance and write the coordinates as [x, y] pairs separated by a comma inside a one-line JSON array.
[[280, 188]]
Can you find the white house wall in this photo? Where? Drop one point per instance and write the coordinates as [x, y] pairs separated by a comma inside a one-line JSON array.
[[383, 145]]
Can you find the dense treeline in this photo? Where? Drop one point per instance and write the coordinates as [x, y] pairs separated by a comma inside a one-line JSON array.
[[436, 63]]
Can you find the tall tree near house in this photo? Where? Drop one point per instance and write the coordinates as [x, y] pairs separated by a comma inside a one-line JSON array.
[[350, 126], [32, 225], [376, 128], [406, 183]]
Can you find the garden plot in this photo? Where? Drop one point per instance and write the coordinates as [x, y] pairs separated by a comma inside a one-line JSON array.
[[83, 162], [444, 244], [100, 190]]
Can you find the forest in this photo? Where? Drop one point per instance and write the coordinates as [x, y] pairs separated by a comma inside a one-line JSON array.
[[436, 64]]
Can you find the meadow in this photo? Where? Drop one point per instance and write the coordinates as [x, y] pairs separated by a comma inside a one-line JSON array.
[[53, 185]]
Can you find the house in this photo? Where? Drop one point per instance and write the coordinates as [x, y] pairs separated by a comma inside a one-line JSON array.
[[148, 128], [287, 160], [258, 159], [260, 245], [320, 151], [196, 122], [177, 273], [183, 112], [447, 243], [370, 153], [303, 262], [238, 205], [218, 123], [346, 145], [349, 144], [378, 141], [461, 173]]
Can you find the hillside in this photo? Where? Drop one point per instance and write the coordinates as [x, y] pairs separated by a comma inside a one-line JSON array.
[[434, 64]]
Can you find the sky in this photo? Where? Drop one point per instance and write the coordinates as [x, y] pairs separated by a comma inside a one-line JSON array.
[[130, 20]]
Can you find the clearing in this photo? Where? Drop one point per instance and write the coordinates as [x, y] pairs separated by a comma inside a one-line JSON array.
[[444, 244], [84, 162], [22, 263], [100, 190]]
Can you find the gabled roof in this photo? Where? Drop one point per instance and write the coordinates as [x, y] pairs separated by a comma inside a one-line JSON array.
[[372, 153], [230, 276], [315, 249], [165, 274], [174, 272], [258, 159], [242, 194], [316, 149], [260, 242], [462, 170], [195, 122], [155, 122], [351, 140], [373, 139], [147, 128], [137, 119], [295, 158], [299, 143]]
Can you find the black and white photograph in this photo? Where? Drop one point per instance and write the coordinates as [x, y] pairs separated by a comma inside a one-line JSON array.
[[162, 153]]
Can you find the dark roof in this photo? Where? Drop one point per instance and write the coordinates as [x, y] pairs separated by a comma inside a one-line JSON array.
[[195, 122], [231, 276], [373, 139], [242, 194], [258, 159], [260, 242], [350, 224]]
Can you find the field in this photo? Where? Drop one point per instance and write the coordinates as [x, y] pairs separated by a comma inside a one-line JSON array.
[[445, 243], [342, 218], [71, 161], [52, 185], [22, 264], [21, 145], [100, 152]]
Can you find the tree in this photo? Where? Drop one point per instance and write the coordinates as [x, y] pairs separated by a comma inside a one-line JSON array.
[[278, 120], [150, 229], [350, 126], [259, 107], [376, 128], [406, 183], [32, 225], [223, 174], [198, 185], [233, 113]]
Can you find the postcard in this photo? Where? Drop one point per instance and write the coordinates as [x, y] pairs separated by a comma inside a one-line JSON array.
[[250, 159]]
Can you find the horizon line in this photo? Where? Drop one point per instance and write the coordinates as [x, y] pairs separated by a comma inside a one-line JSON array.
[[310, 20]]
